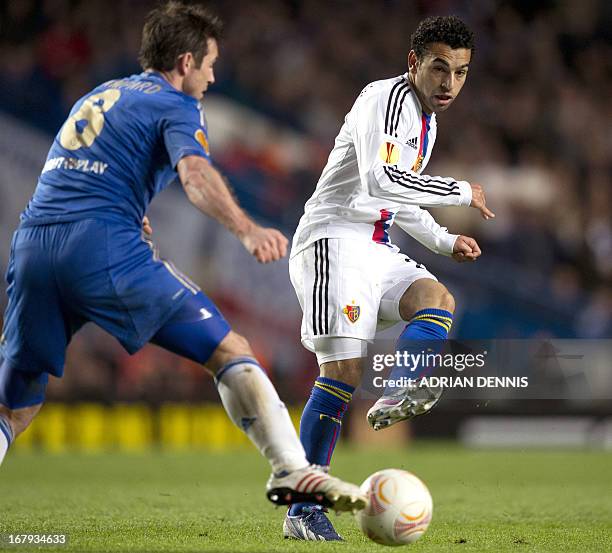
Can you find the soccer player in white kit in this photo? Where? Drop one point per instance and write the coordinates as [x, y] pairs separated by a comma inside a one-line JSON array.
[[349, 278]]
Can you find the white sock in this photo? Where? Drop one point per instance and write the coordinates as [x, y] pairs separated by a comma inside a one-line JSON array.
[[4, 442], [252, 403]]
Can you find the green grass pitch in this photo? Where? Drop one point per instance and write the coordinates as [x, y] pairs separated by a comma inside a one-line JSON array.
[[483, 500]]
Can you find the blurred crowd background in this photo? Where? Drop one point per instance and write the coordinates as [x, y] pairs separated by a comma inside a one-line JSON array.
[[532, 125]]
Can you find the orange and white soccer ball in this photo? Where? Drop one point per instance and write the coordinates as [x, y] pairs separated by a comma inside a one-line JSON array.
[[398, 510]]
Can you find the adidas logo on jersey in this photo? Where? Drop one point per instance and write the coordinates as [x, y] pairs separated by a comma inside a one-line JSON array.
[[413, 142]]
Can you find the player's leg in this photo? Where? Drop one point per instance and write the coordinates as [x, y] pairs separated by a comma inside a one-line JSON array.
[[246, 392], [428, 308], [12, 423], [253, 404], [425, 295], [37, 329], [341, 369], [331, 394], [336, 283], [337, 292]]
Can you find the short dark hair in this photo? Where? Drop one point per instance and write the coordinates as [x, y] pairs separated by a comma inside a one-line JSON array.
[[173, 29], [448, 29]]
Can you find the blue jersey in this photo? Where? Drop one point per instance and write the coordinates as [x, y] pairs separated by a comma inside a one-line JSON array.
[[117, 150], [79, 255]]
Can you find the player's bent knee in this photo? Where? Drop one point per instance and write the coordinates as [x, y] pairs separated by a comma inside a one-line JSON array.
[[231, 347], [447, 301], [440, 298], [425, 294], [348, 371], [19, 419]]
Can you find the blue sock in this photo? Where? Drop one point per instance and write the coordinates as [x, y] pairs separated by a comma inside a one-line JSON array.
[[321, 423], [425, 332]]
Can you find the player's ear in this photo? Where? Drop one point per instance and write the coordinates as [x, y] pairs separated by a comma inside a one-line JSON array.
[[412, 61], [184, 62]]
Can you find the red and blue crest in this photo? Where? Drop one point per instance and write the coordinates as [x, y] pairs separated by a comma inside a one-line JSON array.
[[352, 312]]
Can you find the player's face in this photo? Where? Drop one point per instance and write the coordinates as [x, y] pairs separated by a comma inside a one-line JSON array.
[[439, 76], [197, 79]]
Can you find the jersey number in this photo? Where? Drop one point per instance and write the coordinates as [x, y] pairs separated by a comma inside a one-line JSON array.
[[85, 125]]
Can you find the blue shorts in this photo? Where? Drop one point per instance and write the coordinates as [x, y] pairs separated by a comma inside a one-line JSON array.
[[63, 275]]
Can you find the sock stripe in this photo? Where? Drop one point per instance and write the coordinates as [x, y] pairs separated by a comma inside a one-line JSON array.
[[344, 396], [439, 317], [443, 321], [443, 325], [336, 383], [233, 363], [341, 391], [332, 444], [435, 311]]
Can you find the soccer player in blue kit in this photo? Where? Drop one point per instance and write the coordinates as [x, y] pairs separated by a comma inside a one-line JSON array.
[[81, 253]]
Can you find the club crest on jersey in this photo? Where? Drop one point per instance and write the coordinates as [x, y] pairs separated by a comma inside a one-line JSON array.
[[201, 138], [389, 153], [352, 312]]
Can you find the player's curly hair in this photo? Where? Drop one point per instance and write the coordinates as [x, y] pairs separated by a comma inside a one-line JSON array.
[[175, 28], [448, 29]]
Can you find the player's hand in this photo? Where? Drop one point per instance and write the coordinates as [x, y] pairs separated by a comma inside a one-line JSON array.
[[265, 244], [146, 227], [479, 201], [466, 249]]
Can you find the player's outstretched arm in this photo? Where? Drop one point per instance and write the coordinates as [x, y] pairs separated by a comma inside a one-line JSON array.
[[479, 201], [421, 225], [386, 162], [398, 183], [207, 190]]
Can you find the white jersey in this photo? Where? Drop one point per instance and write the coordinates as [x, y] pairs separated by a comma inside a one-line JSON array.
[[373, 176]]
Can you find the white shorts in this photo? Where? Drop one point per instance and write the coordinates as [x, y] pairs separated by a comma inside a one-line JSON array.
[[350, 289]]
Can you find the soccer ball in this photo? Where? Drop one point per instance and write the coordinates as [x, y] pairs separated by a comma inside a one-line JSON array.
[[398, 510]]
